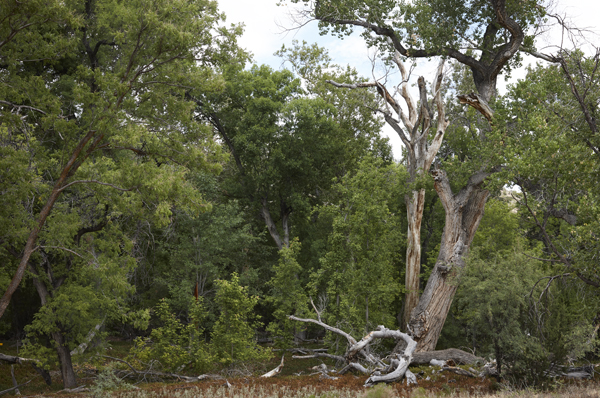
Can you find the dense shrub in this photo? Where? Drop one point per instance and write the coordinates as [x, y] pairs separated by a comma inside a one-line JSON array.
[[176, 345]]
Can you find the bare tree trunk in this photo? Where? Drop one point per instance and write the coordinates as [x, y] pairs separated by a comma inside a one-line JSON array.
[[415, 204], [285, 212], [421, 148], [266, 214], [463, 214]]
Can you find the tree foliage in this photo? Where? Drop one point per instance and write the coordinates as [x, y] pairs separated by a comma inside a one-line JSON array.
[[358, 282]]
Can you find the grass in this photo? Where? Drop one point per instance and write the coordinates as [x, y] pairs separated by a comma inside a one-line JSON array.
[[294, 381]]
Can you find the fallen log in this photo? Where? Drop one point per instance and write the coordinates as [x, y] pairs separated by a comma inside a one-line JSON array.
[[16, 360], [578, 375], [14, 380], [355, 366], [15, 387], [34, 362], [320, 355], [359, 348], [160, 375], [458, 356], [459, 371]]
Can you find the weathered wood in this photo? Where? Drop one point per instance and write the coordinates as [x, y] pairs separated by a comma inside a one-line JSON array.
[[421, 148], [360, 347], [15, 360], [459, 371], [477, 102], [410, 378], [320, 355], [276, 370], [458, 356], [356, 366], [464, 211], [83, 346], [14, 380]]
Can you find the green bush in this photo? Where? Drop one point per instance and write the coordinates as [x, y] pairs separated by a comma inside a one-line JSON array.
[[493, 304], [287, 296], [233, 336], [106, 382], [175, 345]]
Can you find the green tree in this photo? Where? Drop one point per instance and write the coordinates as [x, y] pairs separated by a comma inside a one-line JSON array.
[[359, 278], [494, 29], [495, 33], [192, 252], [287, 294], [286, 147], [233, 336], [493, 301], [552, 160], [95, 98]]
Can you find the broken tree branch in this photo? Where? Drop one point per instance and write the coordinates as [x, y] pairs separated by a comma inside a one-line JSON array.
[[477, 102], [361, 347], [276, 370]]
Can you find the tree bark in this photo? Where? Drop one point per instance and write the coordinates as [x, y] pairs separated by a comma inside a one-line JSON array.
[[456, 355], [285, 212], [415, 204], [64, 358], [464, 211], [421, 150]]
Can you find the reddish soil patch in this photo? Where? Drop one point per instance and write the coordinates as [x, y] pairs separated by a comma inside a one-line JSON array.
[[320, 385]]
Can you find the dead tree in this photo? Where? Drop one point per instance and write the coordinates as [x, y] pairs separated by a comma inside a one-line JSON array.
[[383, 370], [358, 357], [414, 127]]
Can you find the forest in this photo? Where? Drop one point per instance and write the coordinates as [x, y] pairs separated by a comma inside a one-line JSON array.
[[171, 210]]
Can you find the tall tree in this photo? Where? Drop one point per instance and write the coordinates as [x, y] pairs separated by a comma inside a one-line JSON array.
[[97, 106], [554, 160], [493, 31], [286, 147], [421, 146]]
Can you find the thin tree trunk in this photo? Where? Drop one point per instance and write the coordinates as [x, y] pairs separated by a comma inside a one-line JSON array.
[[266, 214], [463, 214], [67, 171], [272, 227], [415, 204]]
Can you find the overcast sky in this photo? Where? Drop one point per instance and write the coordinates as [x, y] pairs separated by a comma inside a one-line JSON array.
[[266, 30]]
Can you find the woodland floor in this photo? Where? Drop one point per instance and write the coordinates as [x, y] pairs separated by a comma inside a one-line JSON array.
[[287, 384]]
